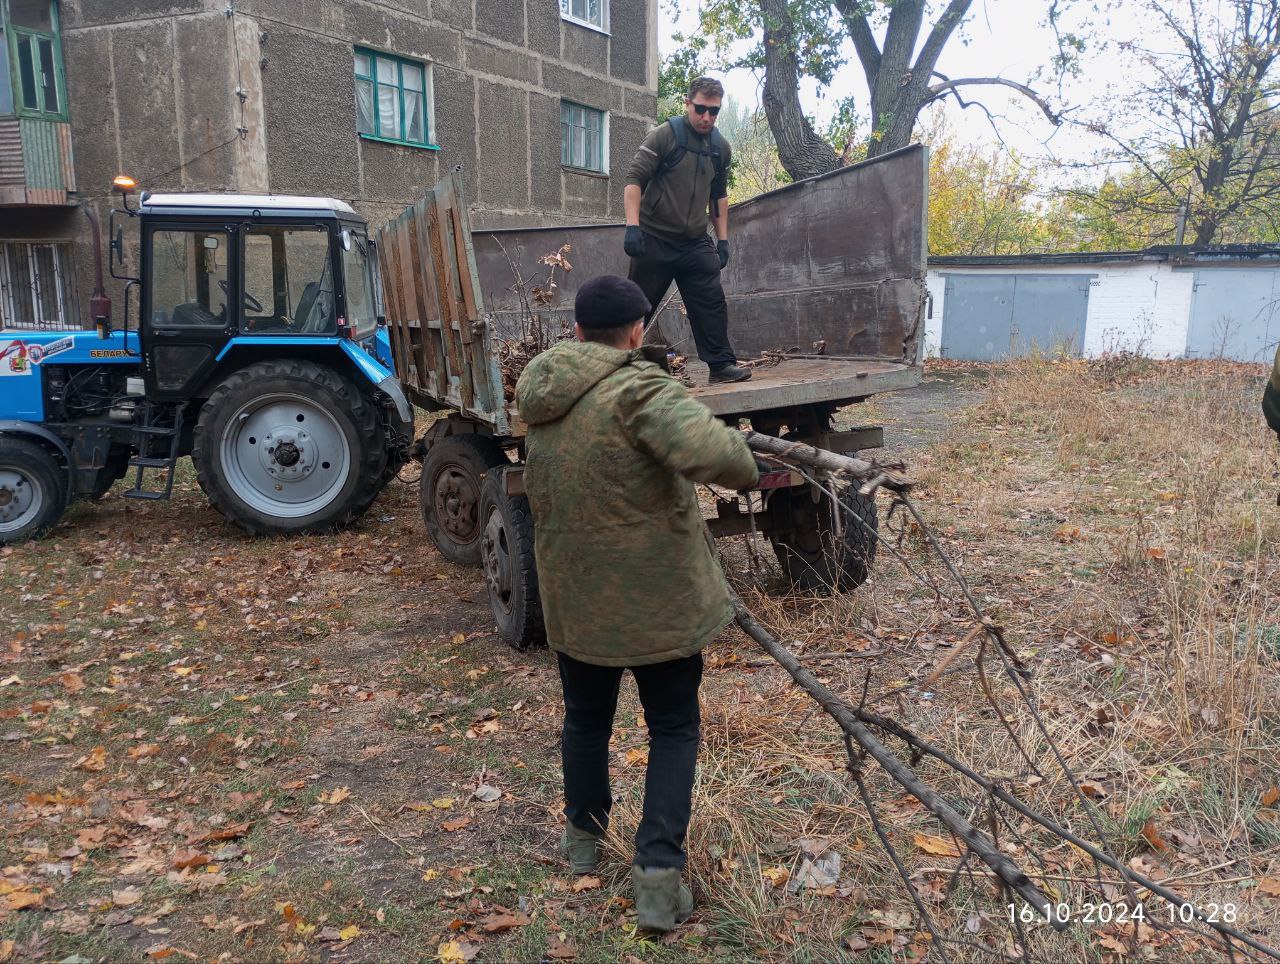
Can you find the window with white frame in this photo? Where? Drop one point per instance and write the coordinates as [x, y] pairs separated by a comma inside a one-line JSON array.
[[584, 137], [393, 98], [37, 286], [589, 13]]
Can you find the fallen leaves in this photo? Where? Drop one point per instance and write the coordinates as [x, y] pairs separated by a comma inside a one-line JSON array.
[[456, 824], [1269, 886], [126, 897], [776, 876], [486, 793], [587, 883], [335, 796], [937, 846], [71, 681], [1152, 836], [455, 952], [1270, 796], [93, 761], [502, 920]]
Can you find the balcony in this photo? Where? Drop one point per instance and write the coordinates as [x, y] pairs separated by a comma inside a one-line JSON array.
[[36, 165]]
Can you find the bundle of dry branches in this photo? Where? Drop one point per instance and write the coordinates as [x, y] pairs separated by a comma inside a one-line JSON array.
[[867, 736]]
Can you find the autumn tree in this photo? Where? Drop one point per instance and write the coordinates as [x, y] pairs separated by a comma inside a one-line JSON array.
[[1200, 128], [894, 43]]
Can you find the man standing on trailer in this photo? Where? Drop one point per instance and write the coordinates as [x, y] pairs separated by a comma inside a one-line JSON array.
[[681, 171], [625, 571]]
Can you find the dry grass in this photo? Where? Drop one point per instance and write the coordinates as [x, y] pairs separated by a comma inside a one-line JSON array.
[[1117, 519]]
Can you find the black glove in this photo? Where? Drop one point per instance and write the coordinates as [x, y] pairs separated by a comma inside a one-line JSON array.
[[722, 249], [633, 243]]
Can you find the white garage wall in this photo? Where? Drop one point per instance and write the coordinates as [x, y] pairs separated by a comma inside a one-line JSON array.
[[1141, 306]]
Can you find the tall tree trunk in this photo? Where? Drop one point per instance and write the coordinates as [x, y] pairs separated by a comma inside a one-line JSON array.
[[802, 151]]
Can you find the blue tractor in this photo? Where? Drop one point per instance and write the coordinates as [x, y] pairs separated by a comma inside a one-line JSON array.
[[258, 351]]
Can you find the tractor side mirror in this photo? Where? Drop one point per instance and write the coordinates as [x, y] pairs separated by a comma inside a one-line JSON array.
[[345, 237]]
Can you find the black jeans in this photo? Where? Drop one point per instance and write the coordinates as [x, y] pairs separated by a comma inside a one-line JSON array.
[[669, 695], [695, 267]]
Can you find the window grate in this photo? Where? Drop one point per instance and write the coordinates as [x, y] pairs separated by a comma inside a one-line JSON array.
[[37, 286]]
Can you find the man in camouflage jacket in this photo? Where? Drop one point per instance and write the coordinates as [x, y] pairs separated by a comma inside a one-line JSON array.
[[625, 572]]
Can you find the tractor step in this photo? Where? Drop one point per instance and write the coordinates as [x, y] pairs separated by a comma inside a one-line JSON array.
[[148, 438], [148, 495]]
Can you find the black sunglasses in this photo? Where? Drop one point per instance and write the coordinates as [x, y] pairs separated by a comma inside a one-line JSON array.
[[706, 109]]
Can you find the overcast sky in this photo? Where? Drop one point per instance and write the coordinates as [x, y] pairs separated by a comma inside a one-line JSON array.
[[1001, 38]]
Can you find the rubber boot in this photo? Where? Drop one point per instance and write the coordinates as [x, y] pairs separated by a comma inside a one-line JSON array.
[[662, 900], [582, 848]]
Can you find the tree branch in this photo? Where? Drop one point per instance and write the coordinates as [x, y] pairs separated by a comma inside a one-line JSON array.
[[938, 90], [864, 41]]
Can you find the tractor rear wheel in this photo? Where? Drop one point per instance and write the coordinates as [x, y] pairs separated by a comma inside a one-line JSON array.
[[452, 473], [510, 571], [284, 447], [33, 490]]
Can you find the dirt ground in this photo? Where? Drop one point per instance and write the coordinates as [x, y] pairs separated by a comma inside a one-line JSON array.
[[218, 747]]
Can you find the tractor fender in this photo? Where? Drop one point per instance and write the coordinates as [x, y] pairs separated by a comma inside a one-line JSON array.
[[381, 377], [11, 426]]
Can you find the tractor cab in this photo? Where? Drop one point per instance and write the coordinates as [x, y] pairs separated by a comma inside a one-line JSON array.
[[257, 352], [222, 271]]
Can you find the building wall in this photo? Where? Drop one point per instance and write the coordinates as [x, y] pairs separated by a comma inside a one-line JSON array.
[[185, 97], [1137, 306]]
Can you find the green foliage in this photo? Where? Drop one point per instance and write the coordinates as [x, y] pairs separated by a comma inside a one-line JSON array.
[[756, 167]]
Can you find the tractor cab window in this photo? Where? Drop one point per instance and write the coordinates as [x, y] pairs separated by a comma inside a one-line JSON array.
[[189, 279], [357, 266], [288, 280]]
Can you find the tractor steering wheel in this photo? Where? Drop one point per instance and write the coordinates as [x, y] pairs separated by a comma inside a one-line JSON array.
[[250, 302]]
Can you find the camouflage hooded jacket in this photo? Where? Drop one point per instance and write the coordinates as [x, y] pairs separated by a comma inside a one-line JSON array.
[[614, 444], [1271, 397]]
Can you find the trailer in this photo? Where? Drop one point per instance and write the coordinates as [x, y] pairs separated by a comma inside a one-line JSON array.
[[827, 281]]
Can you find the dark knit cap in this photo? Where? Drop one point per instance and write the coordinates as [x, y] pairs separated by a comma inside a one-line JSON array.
[[607, 301]]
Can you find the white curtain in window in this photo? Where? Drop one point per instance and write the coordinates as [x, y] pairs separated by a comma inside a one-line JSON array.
[[388, 100], [414, 103]]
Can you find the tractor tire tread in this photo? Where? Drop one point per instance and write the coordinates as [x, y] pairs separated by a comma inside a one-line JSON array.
[[41, 461], [368, 463]]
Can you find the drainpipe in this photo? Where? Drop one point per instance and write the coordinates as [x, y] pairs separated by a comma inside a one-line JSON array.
[[1182, 224]]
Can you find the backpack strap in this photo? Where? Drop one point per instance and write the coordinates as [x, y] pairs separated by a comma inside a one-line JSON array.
[[680, 130]]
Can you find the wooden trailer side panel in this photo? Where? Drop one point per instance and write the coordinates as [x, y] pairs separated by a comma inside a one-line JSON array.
[[441, 337]]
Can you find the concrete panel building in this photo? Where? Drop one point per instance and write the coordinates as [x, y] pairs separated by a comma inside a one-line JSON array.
[[542, 103], [1162, 303]]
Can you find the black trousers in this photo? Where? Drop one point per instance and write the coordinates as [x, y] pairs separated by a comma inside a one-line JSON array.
[[669, 695], [695, 267]]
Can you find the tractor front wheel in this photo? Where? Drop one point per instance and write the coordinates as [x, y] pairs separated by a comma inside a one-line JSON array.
[[285, 447], [33, 490]]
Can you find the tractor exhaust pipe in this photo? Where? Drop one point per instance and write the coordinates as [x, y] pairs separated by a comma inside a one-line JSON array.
[[99, 302]]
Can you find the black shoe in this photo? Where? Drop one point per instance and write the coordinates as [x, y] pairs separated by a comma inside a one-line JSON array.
[[729, 373]]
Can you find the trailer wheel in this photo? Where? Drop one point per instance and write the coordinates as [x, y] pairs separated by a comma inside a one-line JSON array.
[[510, 571], [285, 447], [813, 558], [449, 493], [33, 490]]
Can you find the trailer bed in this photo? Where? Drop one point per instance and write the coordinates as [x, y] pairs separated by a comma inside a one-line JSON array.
[[801, 381]]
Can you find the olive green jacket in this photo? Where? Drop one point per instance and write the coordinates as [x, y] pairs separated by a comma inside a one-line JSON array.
[[1271, 397], [614, 445], [675, 206]]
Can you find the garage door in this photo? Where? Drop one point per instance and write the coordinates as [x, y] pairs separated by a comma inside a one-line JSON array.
[[987, 317], [1235, 313]]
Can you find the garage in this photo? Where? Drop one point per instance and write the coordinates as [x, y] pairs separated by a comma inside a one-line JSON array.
[[995, 316], [1235, 313]]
